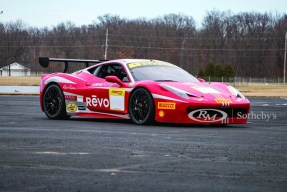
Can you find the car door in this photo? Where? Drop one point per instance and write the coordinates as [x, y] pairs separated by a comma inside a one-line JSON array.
[[105, 96]]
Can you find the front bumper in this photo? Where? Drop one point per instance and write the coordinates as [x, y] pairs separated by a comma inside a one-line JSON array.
[[203, 113]]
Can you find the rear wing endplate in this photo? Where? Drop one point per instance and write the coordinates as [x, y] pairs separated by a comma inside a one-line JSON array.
[[44, 62]]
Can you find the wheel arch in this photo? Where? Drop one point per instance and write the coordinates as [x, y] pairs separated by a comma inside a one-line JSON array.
[[46, 87], [54, 106], [138, 87]]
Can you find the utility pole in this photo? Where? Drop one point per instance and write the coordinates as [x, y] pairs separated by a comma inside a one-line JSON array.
[[9, 70], [9, 61], [181, 52], [106, 46], [285, 51]]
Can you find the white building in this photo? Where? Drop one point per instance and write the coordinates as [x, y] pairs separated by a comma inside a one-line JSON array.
[[15, 70]]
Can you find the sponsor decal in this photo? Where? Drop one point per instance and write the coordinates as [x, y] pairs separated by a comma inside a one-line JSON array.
[[161, 113], [223, 100], [95, 101], [117, 92], [81, 107], [139, 64], [205, 89], [207, 115], [117, 99], [132, 65], [166, 105], [80, 98], [71, 97], [74, 98], [71, 107]]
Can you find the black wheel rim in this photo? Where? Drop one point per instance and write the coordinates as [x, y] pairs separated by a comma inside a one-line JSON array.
[[140, 105], [52, 101]]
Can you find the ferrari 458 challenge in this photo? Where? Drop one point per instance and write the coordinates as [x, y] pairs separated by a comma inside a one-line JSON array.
[[141, 90]]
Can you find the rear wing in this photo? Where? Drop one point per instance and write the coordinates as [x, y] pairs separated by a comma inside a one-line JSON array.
[[44, 62]]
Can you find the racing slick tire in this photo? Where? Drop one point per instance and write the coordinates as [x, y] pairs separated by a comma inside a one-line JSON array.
[[141, 107], [54, 103]]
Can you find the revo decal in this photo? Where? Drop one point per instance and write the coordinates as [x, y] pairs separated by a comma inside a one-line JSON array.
[[207, 115], [94, 101]]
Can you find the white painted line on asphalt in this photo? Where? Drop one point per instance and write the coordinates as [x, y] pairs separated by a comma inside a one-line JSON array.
[[60, 153], [263, 105]]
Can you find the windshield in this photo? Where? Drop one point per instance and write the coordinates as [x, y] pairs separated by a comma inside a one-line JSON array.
[[161, 73]]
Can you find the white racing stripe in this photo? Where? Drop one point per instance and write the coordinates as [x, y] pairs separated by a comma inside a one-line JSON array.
[[157, 96], [126, 116], [58, 80], [72, 94]]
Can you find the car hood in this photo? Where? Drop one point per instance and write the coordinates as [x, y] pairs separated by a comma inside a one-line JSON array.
[[199, 89]]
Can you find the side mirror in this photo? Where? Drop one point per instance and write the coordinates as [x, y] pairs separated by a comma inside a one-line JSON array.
[[114, 79], [201, 80]]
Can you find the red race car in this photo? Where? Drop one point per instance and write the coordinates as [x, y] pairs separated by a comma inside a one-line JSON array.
[[141, 90]]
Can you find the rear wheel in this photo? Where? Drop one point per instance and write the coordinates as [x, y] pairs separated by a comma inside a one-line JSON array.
[[54, 103], [141, 107]]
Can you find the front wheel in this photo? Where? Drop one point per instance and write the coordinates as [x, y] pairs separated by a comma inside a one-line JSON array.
[[141, 107], [54, 103]]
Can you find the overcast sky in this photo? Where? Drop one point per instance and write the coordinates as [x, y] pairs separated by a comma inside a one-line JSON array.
[[49, 13]]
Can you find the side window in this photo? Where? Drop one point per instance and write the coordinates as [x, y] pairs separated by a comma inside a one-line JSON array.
[[113, 70], [103, 71], [94, 70]]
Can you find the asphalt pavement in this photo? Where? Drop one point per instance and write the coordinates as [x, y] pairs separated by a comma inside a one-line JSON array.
[[83, 154]]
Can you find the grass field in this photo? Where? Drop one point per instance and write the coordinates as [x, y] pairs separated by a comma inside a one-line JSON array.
[[20, 81], [263, 90], [253, 89]]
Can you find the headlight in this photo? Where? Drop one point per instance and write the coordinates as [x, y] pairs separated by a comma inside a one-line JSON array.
[[235, 92], [176, 91]]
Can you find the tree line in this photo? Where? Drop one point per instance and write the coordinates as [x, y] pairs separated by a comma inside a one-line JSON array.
[[251, 43]]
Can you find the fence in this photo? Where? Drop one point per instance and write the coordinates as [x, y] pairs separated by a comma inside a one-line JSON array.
[[245, 80], [249, 80], [235, 81]]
